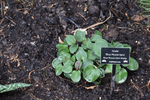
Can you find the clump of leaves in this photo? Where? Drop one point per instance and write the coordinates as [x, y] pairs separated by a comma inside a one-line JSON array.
[[79, 57]]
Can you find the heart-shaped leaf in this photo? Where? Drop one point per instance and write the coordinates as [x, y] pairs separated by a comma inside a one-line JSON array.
[[98, 45], [133, 64], [86, 63], [118, 68], [73, 48], [81, 54], [58, 69], [64, 53], [95, 38], [70, 40], [76, 76], [91, 55], [101, 65], [102, 73], [121, 76], [73, 58], [98, 81], [127, 46], [68, 62], [67, 68], [87, 44], [117, 44], [108, 68], [61, 46], [98, 33], [90, 74], [80, 35], [68, 75], [57, 61]]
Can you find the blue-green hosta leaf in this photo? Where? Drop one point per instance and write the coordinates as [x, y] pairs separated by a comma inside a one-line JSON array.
[[118, 45], [64, 53], [78, 65], [68, 75], [67, 68], [101, 65], [61, 46], [127, 46], [73, 48], [98, 45], [57, 61], [86, 63], [64, 49], [13, 86], [110, 45], [108, 68], [98, 81], [102, 73], [80, 35], [73, 58], [118, 68], [58, 69], [96, 38], [81, 54], [133, 64], [98, 33], [76, 76], [90, 73], [68, 62], [87, 44], [121, 76], [70, 40], [91, 55]]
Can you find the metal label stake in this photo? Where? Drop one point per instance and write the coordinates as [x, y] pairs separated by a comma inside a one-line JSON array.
[[112, 82]]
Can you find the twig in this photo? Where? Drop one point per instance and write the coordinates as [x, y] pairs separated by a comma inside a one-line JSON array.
[[82, 16], [97, 23], [30, 75], [84, 29]]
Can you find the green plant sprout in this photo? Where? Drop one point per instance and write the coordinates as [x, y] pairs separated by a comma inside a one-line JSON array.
[[79, 57], [145, 4], [13, 86]]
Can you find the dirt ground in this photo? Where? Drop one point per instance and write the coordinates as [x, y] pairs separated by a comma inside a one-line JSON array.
[[29, 31]]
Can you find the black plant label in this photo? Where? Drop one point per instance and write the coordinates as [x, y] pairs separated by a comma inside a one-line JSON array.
[[115, 55]]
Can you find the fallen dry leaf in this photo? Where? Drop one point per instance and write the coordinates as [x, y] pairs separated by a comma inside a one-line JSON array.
[[91, 87], [137, 17], [60, 41], [26, 12]]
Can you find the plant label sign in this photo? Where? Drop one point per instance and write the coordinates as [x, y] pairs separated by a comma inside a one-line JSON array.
[[115, 55]]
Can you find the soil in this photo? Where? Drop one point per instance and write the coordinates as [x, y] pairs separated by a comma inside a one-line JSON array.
[[29, 31]]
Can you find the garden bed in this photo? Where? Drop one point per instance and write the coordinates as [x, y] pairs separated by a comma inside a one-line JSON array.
[[29, 32]]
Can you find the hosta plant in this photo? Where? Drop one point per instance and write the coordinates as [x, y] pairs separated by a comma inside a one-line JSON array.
[[79, 57]]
